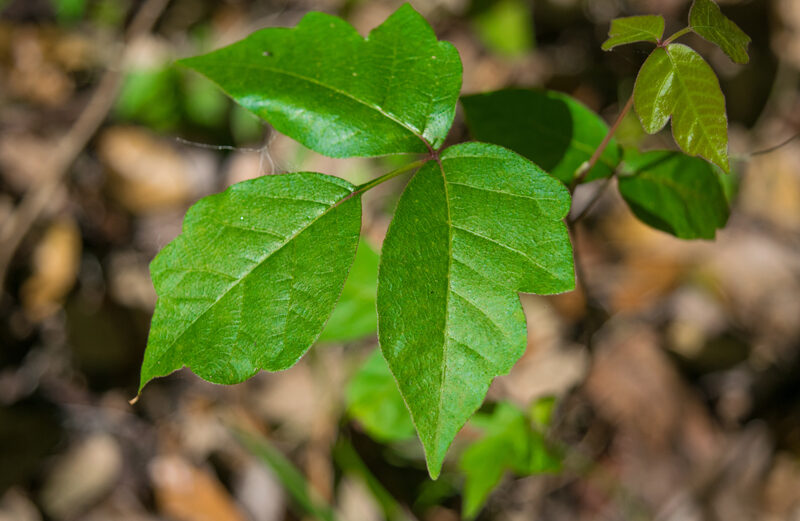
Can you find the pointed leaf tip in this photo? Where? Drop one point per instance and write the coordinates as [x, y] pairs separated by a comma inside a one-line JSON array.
[[251, 280], [487, 237]]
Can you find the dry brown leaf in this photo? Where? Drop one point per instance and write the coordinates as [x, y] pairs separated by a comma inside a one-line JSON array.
[[186, 493], [82, 476], [56, 261], [145, 174]]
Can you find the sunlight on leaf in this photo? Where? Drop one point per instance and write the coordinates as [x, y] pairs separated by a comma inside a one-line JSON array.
[[676, 82]]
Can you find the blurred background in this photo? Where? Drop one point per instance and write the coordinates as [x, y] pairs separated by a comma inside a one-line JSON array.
[[675, 366]]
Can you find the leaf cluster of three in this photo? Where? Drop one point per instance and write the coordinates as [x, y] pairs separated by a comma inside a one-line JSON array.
[[258, 269], [254, 276]]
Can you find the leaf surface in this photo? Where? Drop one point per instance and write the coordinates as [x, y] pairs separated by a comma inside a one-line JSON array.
[[676, 82], [675, 193], [469, 233], [374, 400], [632, 29], [339, 94], [553, 130], [355, 316], [707, 20], [509, 444], [249, 283]]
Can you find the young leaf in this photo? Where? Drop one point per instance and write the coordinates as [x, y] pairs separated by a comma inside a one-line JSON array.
[[249, 283], [675, 193], [706, 19], [469, 232], [374, 400], [339, 94], [509, 443], [632, 29], [553, 130], [677, 82], [355, 316]]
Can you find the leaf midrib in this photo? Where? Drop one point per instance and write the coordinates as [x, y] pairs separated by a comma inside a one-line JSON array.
[[438, 434], [407, 126], [686, 93]]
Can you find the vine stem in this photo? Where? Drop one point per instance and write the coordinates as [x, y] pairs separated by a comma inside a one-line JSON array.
[[585, 168], [391, 175], [675, 36]]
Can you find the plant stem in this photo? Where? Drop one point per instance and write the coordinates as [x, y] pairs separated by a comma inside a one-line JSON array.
[[584, 170], [391, 175], [675, 36]]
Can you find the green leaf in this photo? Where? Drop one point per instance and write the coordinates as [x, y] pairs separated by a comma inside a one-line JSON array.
[[706, 19], [469, 232], [553, 130], [355, 316], [374, 400], [675, 193], [509, 443], [634, 29], [249, 283], [677, 82], [339, 94]]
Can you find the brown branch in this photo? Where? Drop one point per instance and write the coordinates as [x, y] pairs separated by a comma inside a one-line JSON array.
[[55, 167]]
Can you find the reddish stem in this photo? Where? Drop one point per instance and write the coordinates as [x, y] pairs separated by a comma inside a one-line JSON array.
[[587, 167]]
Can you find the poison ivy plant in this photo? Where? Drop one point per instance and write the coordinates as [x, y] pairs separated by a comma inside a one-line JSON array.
[[254, 276], [675, 82], [258, 269]]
